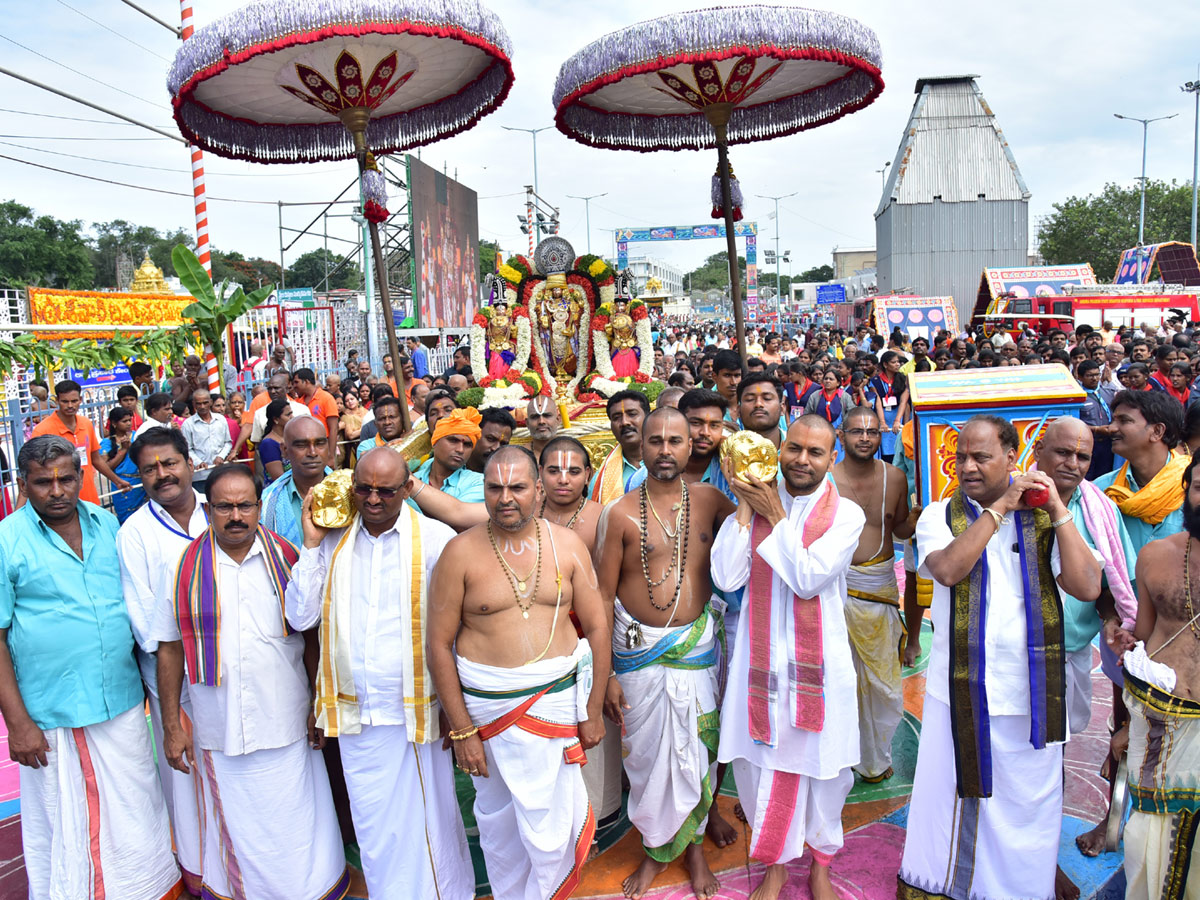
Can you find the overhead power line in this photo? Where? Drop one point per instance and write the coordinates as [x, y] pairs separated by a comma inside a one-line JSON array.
[[136, 187], [48, 137], [174, 29], [83, 74], [88, 103], [113, 31], [25, 112]]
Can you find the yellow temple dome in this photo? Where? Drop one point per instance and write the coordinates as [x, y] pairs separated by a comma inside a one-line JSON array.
[[148, 279]]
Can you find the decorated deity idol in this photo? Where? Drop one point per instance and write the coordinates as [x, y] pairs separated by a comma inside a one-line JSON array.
[[561, 310], [502, 340], [622, 342]]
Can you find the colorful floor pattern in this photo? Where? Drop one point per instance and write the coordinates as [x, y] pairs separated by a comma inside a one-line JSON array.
[[874, 821]]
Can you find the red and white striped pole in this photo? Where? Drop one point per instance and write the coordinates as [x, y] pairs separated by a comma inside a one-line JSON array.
[[199, 194]]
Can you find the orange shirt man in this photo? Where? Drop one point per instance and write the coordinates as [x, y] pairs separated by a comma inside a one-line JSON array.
[[67, 423]]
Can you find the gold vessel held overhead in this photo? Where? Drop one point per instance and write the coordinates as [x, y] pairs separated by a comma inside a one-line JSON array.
[[752, 454], [333, 500]]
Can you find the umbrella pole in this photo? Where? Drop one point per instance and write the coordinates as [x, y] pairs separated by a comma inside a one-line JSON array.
[[389, 322], [355, 120], [718, 116]]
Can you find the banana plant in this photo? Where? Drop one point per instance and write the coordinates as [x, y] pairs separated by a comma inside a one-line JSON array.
[[215, 308]]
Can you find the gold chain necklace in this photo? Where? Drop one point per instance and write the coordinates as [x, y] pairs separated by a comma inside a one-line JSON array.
[[518, 584]]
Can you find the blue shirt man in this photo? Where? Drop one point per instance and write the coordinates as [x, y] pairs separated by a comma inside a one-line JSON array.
[[282, 504], [419, 356], [68, 627]]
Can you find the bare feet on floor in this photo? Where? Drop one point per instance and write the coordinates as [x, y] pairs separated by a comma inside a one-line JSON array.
[[1064, 887], [704, 882], [773, 881], [739, 813], [593, 851], [643, 876], [719, 831], [1091, 843], [819, 882]]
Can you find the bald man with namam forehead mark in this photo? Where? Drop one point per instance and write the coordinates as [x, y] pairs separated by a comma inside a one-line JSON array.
[[502, 644], [653, 562]]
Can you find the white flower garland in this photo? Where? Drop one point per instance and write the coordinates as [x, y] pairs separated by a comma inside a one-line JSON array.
[[603, 354], [510, 396], [645, 346], [607, 388], [524, 343]]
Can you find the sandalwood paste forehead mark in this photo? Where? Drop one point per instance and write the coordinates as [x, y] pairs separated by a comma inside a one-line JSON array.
[[538, 405]]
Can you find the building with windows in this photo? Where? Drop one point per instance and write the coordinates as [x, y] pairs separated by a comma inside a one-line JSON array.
[[643, 268]]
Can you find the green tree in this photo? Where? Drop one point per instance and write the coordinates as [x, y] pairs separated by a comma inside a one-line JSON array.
[[766, 278], [249, 273], [111, 239], [1097, 228], [489, 252], [42, 250], [816, 273], [714, 273], [309, 271]]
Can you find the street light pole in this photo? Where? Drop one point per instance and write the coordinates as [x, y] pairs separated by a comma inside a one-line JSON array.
[[1142, 202], [1193, 87], [883, 175], [777, 199], [534, 133], [587, 211]]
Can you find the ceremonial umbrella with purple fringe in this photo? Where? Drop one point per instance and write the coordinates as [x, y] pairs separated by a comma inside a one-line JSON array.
[[284, 81], [715, 77]]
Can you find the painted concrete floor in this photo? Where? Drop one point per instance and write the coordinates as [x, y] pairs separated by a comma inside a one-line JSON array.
[[873, 819]]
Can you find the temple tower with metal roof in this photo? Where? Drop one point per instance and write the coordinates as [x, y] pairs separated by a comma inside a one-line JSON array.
[[954, 201]]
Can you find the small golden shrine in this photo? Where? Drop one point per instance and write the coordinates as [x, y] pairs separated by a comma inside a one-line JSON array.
[[148, 279]]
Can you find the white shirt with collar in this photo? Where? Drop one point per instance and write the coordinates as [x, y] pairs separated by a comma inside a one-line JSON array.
[[264, 699], [379, 637], [207, 440], [1005, 641], [150, 544]]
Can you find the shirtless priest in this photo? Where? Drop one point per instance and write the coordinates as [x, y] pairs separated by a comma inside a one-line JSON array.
[[653, 564], [789, 721], [518, 686]]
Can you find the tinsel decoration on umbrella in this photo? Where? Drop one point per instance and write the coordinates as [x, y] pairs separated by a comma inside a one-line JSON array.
[[735, 195], [716, 77], [374, 191]]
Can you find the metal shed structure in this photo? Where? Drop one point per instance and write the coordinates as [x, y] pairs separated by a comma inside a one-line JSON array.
[[954, 202]]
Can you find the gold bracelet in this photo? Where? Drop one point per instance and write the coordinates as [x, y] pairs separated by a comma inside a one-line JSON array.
[[464, 733]]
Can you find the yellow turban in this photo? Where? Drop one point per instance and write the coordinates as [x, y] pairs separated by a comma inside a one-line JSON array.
[[461, 421]]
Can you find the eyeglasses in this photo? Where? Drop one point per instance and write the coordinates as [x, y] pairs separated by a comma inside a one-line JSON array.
[[226, 509], [861, 432], [365, 490]]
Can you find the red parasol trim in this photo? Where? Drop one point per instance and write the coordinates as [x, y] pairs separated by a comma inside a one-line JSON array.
[[309, 37], [854, 63]]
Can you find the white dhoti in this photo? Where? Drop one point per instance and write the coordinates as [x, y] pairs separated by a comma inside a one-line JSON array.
[[996, 848], [182, 793], [876, 634], [671, 729], [1079, 689], [93, 820], [406, 817], [271, 828], [789, 811], [1162, 852], [602, 775], [535, 823]]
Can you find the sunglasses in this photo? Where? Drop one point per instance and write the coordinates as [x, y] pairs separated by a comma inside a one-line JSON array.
[[365, 490]]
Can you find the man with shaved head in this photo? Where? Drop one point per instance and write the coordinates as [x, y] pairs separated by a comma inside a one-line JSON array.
[[654, 575], [517, 683], [1064, 453], [788, 721], [365, 587], [305, 447], [543, 421]]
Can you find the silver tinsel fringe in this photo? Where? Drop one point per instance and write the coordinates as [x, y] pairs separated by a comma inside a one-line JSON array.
[[268, 20], [707, 30]]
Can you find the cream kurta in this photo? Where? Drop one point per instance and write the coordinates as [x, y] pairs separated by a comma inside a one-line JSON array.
[[818, 570]]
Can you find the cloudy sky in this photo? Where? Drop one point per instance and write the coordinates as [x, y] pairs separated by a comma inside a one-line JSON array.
[[1054, 73]]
